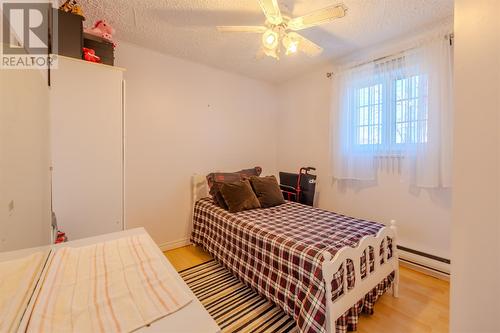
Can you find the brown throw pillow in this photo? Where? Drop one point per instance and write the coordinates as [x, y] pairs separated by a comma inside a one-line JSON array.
[[217, 196], [216, 179], [239, 196], [267, 190]]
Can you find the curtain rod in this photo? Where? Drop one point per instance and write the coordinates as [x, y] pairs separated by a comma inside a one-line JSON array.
[[329, 75]]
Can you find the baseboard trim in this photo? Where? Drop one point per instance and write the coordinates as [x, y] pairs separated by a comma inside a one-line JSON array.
[[424, 259], [174, 244], [424, 269], [425, 255]]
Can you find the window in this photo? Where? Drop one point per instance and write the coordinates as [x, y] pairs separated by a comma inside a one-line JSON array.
[[391, 113], [396, 114]]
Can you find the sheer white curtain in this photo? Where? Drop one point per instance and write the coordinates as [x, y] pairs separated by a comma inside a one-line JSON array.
[[398, 109]]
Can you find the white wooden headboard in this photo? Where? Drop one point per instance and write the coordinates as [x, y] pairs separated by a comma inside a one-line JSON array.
[[199, 187]]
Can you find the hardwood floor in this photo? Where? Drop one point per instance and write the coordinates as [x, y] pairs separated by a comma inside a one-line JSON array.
[[422, 306], [187, 256]]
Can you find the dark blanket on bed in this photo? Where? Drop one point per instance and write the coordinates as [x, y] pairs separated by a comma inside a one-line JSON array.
[[278, 252]]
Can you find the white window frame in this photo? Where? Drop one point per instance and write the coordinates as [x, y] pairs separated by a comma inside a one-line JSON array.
[[387, 140]]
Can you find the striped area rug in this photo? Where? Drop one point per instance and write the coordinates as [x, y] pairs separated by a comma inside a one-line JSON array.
[[234, 306]]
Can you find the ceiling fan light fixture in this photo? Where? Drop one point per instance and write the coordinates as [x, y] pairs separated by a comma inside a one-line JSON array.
[[273, 53], [291, 45], [270, 39], [279, 32]]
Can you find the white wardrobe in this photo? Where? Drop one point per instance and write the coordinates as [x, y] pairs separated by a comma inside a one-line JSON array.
[[87, 104]]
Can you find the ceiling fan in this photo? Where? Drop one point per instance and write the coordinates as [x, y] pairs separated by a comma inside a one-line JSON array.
[[281, 30]]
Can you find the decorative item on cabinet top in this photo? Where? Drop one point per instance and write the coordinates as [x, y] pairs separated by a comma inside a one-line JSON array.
[[70, 39], [69, 34], [102, 48], [71, 6]]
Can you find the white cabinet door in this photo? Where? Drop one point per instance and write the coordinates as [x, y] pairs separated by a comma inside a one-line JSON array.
[[87, 148], [24, 160]]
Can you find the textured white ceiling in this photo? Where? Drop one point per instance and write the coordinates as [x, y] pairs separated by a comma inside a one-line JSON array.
[[186, 29]]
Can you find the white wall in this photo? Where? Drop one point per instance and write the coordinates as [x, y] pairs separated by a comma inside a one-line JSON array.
[[180, 115], [184, 118], [475, 284], [304, 139], [24, 160]]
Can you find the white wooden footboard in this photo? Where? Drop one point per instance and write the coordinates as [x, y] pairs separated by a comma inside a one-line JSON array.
[[337, 307]]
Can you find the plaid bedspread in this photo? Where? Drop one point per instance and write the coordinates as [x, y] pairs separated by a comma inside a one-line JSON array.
[[278, 252]]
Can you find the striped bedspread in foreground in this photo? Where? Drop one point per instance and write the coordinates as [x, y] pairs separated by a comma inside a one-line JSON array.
[[114, 286], [18, 279]]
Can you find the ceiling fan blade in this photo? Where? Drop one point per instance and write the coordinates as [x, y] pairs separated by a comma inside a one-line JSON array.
[[242, 28], [305, 45], [272, 11], [317, 17]]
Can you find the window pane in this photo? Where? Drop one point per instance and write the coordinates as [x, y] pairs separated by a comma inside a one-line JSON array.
[[399, 90], [363, 135], [369, 115], [376, 114], [411, 110], [399, 112], [401, 132]]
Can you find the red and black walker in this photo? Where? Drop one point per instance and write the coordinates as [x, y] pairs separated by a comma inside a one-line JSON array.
[[299, 187]]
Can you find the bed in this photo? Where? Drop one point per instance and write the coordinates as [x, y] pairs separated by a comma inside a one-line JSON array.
[[84, 286], [320, 267]]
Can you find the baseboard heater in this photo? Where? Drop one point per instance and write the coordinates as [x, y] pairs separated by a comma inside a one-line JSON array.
[[426, 262]]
